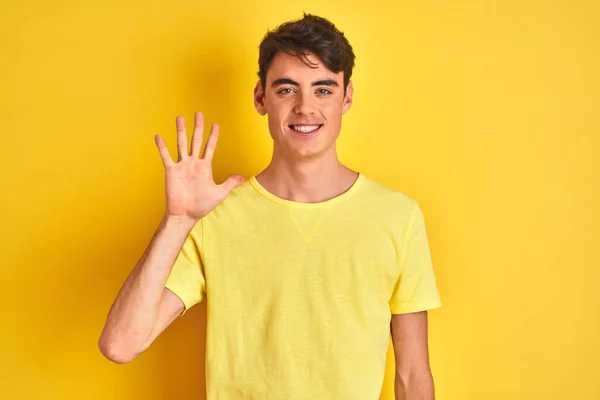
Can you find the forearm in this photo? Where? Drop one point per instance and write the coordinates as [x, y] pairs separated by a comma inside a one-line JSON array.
[[417, 386], [133, 314]]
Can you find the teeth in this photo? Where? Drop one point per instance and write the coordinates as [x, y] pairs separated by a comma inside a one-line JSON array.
[[306, 128]]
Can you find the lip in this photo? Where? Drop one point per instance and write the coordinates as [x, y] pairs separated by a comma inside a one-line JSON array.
[[302, 134]]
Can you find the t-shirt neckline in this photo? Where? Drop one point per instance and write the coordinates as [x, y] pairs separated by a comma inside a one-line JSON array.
[[326, 203]]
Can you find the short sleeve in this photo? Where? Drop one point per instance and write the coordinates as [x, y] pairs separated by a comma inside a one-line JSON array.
[[416, 288], [186, 279]]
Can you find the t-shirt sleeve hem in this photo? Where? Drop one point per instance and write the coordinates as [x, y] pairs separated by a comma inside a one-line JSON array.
[[178, 291], [415, 306]]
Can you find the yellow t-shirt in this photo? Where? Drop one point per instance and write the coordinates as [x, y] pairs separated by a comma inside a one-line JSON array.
[[300, 295]]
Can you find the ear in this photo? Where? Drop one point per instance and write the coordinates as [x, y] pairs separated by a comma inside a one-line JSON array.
[[348, 97], [259, 99]]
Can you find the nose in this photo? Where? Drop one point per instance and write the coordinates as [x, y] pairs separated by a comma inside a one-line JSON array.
[[304, 105]]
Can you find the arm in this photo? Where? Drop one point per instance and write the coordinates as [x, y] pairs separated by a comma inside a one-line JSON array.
[[413, 380], [144, 307]]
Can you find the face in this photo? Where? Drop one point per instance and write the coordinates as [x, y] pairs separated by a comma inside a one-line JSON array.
[[304, 106]]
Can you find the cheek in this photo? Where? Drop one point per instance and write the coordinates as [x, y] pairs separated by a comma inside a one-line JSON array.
[[279, 110], [332, 111], [333, 108], [276, 117]]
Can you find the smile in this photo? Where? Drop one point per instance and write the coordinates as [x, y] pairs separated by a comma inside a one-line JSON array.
[[305, 128]]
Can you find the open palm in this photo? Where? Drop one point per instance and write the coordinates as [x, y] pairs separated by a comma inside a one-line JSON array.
[[190, 187]]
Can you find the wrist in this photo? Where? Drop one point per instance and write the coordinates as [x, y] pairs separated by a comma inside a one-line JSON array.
[[179, 222]]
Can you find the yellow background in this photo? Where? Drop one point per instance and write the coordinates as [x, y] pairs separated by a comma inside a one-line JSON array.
[[487, 112]]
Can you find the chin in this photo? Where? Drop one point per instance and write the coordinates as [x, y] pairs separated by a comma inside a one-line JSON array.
[[306, 152]]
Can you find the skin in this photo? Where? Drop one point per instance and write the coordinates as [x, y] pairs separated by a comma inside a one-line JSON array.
[[303, 168], [413, 379]]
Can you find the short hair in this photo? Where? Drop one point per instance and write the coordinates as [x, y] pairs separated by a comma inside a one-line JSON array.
[[310, 34]]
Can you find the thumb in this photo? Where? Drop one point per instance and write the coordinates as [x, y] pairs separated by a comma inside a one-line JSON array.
[[232, 182]]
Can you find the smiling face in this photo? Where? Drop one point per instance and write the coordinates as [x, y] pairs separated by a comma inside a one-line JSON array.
[[304, 106]]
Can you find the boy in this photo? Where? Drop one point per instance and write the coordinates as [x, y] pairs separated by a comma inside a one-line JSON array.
[[306, 266]]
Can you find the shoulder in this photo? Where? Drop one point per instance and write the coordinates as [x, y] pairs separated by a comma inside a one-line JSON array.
[[242, 192], [387, 199], [240, 203]]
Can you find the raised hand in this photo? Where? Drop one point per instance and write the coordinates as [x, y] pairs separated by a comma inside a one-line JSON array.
[[190, 186]]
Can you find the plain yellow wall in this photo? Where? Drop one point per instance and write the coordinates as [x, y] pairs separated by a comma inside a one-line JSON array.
[[486, 112]]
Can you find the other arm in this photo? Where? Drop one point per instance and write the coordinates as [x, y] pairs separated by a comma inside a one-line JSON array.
[[413, 378]]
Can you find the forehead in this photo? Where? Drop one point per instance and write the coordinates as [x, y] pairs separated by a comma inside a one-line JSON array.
[[285, 65]]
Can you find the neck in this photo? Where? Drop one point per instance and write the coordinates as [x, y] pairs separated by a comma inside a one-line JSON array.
[[306, 181]]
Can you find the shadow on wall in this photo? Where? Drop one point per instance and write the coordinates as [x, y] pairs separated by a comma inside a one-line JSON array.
[[181, 363], [217, 85]]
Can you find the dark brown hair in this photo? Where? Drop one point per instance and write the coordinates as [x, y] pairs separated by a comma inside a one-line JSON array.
[[310, 34]]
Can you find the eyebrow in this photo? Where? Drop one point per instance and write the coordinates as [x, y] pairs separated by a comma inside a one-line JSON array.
[[288, 81]]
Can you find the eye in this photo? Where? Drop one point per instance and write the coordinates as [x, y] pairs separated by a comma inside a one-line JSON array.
[[284, 91], [323, 91]]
